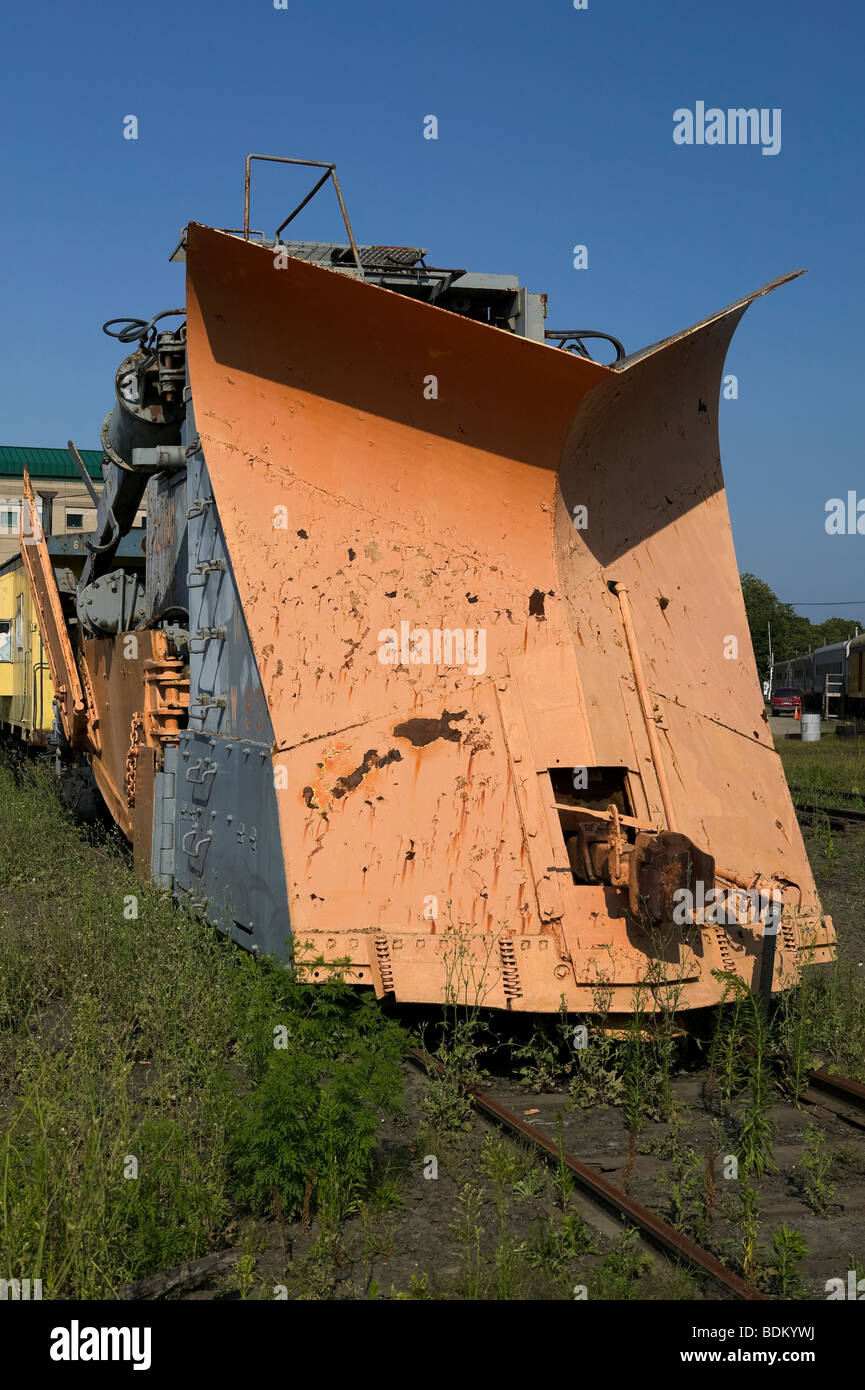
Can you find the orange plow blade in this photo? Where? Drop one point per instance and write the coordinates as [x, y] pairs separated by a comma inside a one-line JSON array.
[[520, 747]]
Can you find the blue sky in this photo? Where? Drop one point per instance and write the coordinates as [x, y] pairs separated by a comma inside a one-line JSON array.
[[555, 128]]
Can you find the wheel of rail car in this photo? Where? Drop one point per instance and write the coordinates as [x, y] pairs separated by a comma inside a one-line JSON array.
[[79, 795]]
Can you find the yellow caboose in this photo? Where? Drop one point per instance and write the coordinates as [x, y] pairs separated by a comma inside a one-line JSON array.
[[26, 688]]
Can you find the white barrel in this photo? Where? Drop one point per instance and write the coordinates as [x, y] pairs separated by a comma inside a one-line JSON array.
[[810, 728]]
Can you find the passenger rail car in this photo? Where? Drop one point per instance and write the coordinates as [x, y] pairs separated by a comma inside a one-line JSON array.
[[831, 678]]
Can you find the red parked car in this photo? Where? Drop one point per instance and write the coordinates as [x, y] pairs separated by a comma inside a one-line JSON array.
[[787, 702]]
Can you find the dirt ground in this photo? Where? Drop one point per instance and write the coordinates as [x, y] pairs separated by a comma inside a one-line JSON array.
[[459, 1234], [443, 1238]]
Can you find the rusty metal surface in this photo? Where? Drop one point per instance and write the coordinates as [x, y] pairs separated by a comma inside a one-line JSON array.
[[353, 504], [142, 834], [122, 728], [612, 1198]]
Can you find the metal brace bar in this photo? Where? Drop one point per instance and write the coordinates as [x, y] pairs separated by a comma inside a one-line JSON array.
[[309, 164]]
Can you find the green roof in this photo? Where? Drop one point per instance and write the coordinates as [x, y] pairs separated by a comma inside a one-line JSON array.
[[47, 463]]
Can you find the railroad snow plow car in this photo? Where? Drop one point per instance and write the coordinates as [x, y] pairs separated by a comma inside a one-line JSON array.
[[439, 664]]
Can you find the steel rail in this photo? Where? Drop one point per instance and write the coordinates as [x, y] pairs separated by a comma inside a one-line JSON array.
[[832, 812], [839, 1086], [607, 1195]]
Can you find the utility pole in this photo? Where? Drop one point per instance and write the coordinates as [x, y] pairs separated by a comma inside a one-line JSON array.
[[771, 662]]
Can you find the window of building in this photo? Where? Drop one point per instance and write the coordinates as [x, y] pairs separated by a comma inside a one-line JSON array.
[[5, 641], [80, 519], [8, 520]]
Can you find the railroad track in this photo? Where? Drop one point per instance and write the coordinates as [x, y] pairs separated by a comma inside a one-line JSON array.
[[839, 817], [807, 794], [607, 1196], [847, 1100]]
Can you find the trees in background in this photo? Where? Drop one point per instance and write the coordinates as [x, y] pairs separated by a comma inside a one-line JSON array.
[[791, 635]]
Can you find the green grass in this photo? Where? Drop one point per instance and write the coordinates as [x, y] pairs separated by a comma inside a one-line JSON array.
[[143, 1104], [817, 772]]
